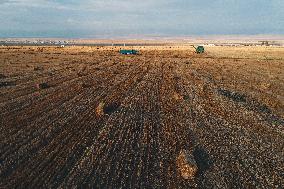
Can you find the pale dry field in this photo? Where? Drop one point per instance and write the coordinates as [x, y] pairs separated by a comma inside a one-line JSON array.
[[105, 120]]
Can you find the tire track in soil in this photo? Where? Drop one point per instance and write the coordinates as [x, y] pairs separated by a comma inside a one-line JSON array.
[[17, 104], [63, 90], [165, 108], [217, 132], [90, 64], [28, 119], [114, 146], [56, 99], [85, 118], [116, 171], [53, 65], [49, 69], [53, 82], [177, 133]]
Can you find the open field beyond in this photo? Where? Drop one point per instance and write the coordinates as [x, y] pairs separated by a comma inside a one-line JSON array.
[[90, 117]]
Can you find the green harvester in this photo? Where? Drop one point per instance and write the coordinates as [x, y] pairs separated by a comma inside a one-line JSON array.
[[199, 49]]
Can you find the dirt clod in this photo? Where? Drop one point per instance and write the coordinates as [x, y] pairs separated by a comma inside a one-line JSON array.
[[7, 84], [235, 96], [2, 76], [38, 68], [42, 85], [178, 97], [100, 109], [186, 165], [86, 85]]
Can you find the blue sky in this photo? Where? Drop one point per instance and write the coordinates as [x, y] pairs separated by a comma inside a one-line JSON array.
[[120, 18]]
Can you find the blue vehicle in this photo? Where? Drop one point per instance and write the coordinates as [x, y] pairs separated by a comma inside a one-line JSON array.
[[127, 52]]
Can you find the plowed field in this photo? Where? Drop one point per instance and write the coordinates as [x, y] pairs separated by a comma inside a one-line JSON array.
[[92, 118]]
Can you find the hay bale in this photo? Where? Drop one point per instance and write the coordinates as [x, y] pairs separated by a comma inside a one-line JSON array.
[[186, 165], [177, 96], [100, 109]]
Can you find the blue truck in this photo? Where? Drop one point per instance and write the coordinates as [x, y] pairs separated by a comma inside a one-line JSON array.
[[128, 52]]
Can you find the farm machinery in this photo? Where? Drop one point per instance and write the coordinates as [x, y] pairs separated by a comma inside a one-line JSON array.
[[127, 52], [199, 49]]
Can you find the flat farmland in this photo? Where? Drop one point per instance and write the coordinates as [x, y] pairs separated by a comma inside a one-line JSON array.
[[89, 117]]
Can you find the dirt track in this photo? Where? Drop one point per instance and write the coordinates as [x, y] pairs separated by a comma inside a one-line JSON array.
[[226, 108]]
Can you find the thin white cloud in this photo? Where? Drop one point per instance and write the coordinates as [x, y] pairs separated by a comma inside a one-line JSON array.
[[90, 5], [143, 16], [34, 4]]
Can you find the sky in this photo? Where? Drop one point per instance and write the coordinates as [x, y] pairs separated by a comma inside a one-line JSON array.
[[122, 18]]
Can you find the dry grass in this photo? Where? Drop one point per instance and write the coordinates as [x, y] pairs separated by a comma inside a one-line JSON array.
[[114, 121]]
